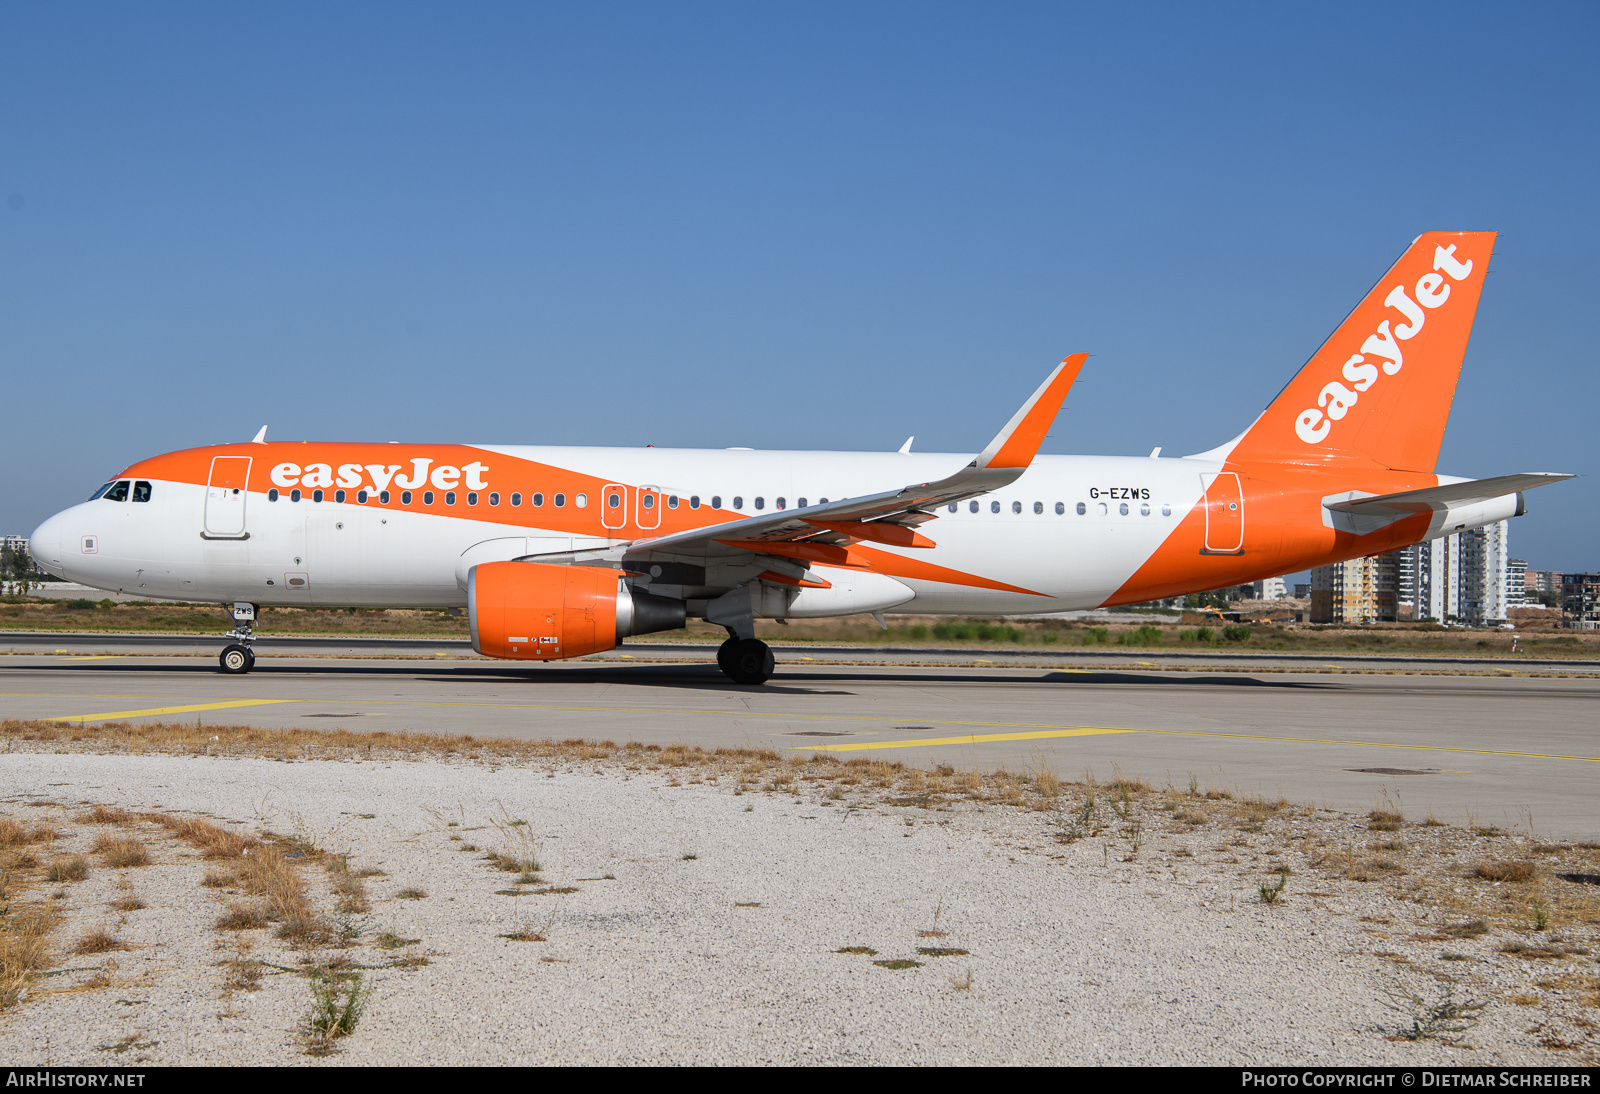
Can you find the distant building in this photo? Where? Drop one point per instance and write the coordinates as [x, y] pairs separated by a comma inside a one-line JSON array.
[[16, 543], [1516, 583], [1466, 578], [1580, 601], [1271, 588], [1302, 590], [1541, 581], [1361, 590]]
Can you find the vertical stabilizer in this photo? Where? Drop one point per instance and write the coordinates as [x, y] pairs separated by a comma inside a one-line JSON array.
[[1379, 390]]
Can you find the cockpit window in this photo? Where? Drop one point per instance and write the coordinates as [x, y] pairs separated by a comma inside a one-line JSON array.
[[117, 491], [98, 494], [141, 491]]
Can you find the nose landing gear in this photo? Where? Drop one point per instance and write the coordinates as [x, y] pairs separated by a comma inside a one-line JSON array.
[[238, 658]]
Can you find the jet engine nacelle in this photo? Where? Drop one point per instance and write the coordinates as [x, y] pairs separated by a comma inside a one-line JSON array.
[[532, 611]]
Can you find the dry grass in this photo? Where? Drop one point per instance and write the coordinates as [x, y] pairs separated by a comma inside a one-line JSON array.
[[1504, 871], [99, 940], [68, 868], [120, 852], [257, 868], [1385, 820], [106, 814], [241, 916], [24, 949]]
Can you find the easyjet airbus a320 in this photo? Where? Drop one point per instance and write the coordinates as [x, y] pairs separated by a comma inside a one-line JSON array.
[[562, 552]]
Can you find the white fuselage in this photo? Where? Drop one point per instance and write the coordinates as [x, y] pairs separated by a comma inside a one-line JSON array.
[[1030, 535]]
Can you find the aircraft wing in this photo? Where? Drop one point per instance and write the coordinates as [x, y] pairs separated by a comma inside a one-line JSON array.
[[888, 517]]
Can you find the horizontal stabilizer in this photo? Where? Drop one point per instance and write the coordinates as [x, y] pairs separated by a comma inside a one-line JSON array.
[[1454, 505], [1450, 495]]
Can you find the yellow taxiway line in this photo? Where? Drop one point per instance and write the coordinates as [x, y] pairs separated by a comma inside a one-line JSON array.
[[154, 711]]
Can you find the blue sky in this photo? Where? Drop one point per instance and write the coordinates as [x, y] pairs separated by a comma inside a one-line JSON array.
[[786, 226]]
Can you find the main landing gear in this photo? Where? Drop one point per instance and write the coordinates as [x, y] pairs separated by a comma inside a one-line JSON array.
[[746, 660], [238, 658]]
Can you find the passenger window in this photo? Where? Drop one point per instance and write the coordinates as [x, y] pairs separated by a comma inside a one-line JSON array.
[[1144, 510], [427, 497], [316, 495], [450, 497], [738, 503], [141, 491], [716, 501], [954, 506], [383, 496], [1103, 509], [361, 496], [780, 504], [1060, 508], [1123, 508], [1166, 510], [472, 497], [1038, 507], [294, 495], [538, 499], [694, 501], [761, 503], [581, 501], [613, 500], [1016, 507], [516, 500], [118, 491], [994, 507], [338, 496], [822, 501], [561, 499], [972, 507], [649, 501], [1082, 508], [272, 495], [405, 497], [801, 503], [494, 498], [672, 501]]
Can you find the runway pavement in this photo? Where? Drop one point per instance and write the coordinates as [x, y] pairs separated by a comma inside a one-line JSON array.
[[1491, 749]]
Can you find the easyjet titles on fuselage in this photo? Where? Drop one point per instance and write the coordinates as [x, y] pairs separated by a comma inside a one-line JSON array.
[[378, 476]]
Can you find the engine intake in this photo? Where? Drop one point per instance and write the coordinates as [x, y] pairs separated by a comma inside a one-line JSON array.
[[533, 611]]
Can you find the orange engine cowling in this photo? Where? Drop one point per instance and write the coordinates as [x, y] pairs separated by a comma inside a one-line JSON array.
[[538, 612]]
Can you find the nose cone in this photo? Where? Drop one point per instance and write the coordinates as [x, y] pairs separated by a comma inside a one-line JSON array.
[[45, 545]]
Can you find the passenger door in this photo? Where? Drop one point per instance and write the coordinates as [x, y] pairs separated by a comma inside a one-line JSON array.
[[1224, 514], [226, 491]]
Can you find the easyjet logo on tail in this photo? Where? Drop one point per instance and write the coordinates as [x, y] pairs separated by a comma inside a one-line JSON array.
[[351, 476], [1335, 400]]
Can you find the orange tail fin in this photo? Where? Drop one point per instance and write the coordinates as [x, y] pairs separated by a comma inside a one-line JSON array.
[[1379, 390]]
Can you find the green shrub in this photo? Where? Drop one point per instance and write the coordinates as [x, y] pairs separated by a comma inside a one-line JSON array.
[[1238, 633], [1146, 635], [1096, 636]]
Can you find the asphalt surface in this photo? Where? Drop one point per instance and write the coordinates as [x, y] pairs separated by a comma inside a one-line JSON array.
[[1509, 750]]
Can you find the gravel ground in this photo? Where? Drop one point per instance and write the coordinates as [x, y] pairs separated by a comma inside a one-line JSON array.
[[704, 922]]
